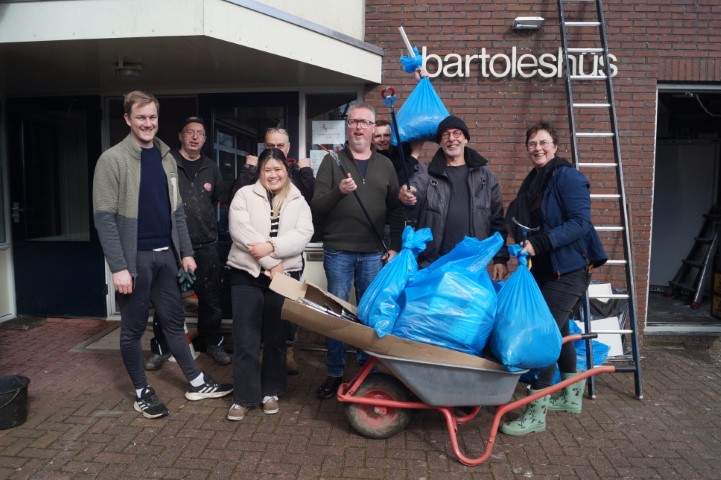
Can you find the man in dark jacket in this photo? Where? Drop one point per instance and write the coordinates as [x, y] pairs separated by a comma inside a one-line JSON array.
[[456, 195], [411, 151], [200, 183]]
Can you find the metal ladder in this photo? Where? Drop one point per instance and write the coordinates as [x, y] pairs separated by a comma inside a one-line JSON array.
[[695, 271], [596, 142]]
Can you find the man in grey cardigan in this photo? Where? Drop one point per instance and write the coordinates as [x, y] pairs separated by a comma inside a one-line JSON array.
[[352, 251], [141, 224]]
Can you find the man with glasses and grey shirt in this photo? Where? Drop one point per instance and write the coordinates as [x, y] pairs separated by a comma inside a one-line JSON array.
[[456, 195], [352, 252], [301, 175], [200, 183]]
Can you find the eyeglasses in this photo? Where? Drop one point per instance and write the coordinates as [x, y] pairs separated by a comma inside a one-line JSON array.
[[447, 134], [276, 130], [542, 144], [362, 124], [279, 146], [194, 133]]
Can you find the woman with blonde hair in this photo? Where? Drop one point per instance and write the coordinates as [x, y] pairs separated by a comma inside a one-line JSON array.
[[270, 224]]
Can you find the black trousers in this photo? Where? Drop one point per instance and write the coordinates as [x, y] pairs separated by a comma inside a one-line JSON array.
[[156, 283], [563, 295], [210, 312]]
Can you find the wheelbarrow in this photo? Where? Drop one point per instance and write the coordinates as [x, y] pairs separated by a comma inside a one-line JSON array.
[[379, 404]]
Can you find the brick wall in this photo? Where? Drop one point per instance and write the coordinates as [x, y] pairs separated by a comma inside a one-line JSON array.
[[652, 41]]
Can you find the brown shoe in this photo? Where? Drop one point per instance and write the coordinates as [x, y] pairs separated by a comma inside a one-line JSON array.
[[237, 412], [270, 405], [291, 366]]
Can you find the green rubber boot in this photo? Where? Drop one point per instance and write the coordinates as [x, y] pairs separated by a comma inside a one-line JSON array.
[[571, 398], [532, 420]]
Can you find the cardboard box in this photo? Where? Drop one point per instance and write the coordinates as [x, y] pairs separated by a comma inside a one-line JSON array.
[[717, 283], [716, 305], [359, 335]]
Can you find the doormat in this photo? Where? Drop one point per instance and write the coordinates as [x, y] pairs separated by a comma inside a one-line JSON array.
[[23, 322]]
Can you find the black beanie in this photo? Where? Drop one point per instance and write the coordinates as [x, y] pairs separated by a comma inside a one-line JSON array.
[[452, 121]]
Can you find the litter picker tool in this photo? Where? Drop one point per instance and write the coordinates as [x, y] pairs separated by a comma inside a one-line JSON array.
[[379, 239], [389, 99], [524, 231]]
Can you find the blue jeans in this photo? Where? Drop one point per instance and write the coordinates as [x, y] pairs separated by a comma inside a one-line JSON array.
[[342, 268]]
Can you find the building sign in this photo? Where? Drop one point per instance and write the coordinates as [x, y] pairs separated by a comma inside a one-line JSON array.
[[501, 65]]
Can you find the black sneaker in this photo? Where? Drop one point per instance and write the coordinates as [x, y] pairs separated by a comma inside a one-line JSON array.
[[329, 388], [156, 361], [209, 389], [149, 405], [218, 353]]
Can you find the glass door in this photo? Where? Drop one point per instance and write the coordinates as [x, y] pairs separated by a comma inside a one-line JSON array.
[[53, 145]]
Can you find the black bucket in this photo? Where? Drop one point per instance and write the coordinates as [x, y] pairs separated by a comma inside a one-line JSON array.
[[13, 400]]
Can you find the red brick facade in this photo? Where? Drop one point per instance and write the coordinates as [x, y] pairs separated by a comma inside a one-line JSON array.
[[653, 41]]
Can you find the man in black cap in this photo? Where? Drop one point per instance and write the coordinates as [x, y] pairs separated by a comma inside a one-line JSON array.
[[455, 195], [200, 183]]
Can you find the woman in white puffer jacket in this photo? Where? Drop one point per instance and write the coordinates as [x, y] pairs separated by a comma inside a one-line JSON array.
[[270, 224]]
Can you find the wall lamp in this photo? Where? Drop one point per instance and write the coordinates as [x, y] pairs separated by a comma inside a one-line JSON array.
[[126, 71], [527, 23]]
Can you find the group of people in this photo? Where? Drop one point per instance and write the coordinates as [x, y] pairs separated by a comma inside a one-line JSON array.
[[152, 211]]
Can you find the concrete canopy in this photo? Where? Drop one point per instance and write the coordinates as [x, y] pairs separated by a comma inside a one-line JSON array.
[[71, 46]]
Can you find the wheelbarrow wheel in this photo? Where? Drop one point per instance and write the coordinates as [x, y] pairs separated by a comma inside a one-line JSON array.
[[377, 421]]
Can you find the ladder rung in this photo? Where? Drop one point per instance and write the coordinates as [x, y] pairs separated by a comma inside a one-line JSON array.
[[585, 50], [587, 77], [611, 196], [582, 24], [609, 229], [620, 296], [591, 105], [693, 263], [616, 262], [598, 165], [594, 134], [626, 368], [612, 332]]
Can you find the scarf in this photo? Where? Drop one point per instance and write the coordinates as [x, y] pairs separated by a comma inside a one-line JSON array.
[[529, 196]]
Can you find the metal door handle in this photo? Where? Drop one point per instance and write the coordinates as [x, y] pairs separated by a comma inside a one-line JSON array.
[[16, 212]]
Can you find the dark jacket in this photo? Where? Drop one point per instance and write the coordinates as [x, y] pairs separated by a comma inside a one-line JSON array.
[[395, 155], [343, 223], [302, 178], [200, 198], [433, 192], [566, 208]]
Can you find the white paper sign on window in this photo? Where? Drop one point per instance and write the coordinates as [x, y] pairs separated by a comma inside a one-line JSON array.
[[328, 132]]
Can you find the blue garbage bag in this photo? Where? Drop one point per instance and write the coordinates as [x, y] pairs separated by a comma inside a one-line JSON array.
[[525, 334], [452, 303], [600, 352], [379, 308], [420, 115]]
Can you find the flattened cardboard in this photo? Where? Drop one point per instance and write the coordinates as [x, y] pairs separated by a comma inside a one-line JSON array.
[[359, 335]]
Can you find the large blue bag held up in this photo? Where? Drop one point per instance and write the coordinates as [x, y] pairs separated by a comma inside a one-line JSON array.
[[379, 308], [525, 334], [420, 115], [452, 303]]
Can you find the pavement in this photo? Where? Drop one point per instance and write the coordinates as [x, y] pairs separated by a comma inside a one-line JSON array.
[[81, 424]]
